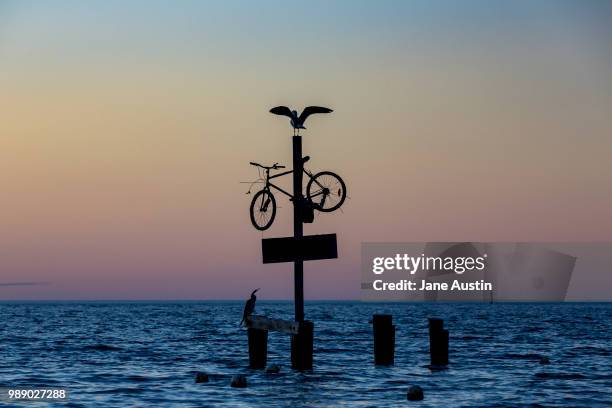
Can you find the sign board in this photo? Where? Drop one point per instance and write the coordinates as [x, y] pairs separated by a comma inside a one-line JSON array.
[[307, 248], [264, 323]]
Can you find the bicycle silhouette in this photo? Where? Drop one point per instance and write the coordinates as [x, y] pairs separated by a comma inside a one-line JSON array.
[[325, 192]]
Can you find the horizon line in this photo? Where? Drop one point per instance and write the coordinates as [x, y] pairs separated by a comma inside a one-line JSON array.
[[291, 300]]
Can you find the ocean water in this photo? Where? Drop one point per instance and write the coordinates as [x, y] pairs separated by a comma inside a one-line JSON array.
[[146, 354]]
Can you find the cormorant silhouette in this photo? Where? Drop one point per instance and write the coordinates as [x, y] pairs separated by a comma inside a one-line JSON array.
[[249, 306], [298, 121]]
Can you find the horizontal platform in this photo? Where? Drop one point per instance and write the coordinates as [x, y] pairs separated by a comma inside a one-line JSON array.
[[279, 325]]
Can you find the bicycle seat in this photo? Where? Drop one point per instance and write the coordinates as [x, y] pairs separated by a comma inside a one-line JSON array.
[[273, 167]]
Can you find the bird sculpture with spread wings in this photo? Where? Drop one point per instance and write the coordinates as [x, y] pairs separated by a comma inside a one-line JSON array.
[[298, 121]]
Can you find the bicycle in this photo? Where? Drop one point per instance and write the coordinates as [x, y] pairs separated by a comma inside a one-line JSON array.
[[325, 192]]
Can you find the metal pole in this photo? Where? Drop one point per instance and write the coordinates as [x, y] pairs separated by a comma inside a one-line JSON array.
[[298, 227]]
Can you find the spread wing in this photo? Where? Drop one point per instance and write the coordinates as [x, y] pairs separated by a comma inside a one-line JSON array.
[[282, 110], [311, 110]]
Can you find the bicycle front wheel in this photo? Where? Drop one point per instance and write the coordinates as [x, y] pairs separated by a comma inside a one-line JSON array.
[[263, 210], [326, 190]]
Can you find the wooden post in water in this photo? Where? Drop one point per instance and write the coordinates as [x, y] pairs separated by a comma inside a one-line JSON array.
[[384, 339], [258, 348], [438, 343], [301, 346]]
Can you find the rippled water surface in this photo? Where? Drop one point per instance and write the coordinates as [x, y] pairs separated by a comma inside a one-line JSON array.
[[146, 354]]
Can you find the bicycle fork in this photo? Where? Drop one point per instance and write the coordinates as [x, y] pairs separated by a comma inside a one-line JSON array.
[[264, 206], [324, 194]]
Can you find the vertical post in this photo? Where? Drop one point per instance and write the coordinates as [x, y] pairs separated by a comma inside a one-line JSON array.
[[258, 348], [301, 343], [384, 339], [298, 227], [438, 343]]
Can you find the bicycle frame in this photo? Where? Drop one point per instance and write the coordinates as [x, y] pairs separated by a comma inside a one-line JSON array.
[[268, 184]]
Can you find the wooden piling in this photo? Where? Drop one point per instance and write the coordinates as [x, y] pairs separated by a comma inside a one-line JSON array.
[[258, 348], [384, 339], [301, 346], [438, 343]]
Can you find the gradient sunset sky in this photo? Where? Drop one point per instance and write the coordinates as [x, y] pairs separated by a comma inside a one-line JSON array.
[[126, 127]]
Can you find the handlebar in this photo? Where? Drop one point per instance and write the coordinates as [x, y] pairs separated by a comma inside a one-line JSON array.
[[274, 166]]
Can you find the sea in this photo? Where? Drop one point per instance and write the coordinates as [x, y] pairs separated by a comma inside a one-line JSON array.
[[146, 354]]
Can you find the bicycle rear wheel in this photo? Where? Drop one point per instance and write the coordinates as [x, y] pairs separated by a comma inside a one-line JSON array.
[[326, 190], [263, 210]]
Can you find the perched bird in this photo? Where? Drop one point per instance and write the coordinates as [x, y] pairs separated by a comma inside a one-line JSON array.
[[298, 121], [249, 306]]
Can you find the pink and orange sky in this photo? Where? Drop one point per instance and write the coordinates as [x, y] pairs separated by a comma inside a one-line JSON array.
[[125, 129]]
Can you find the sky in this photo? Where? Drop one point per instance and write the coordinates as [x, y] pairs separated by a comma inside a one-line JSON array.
[[126, 129]]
